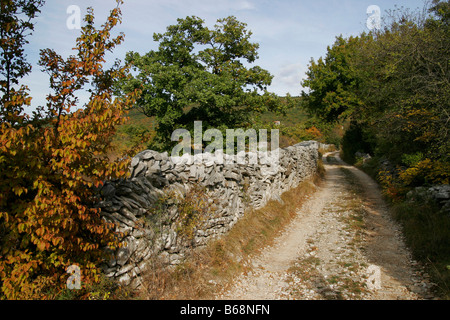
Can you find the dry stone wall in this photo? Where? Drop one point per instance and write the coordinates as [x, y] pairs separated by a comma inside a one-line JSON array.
[[233, 185]]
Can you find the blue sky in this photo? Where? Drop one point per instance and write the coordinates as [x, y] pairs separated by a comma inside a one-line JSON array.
[[289, 32]]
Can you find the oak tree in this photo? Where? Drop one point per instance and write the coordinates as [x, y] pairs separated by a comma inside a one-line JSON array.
[[201, 73]]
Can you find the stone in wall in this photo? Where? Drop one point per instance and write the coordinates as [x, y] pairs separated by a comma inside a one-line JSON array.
[[439, 194]]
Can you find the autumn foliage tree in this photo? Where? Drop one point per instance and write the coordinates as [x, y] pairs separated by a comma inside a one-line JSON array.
[[52, 164], [15, 25]]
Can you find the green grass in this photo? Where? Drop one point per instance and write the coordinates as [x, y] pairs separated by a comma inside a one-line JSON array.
[[426, 231], [138, 118], [427, 234]]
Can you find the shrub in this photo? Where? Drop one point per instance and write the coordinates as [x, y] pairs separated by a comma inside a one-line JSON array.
[[426, 171], [51, 166], [191, 209]]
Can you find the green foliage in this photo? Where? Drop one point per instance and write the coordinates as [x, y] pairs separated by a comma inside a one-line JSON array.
[[405, 80], [425, 172], [134, 130], [131, 135], [192, 210], [411, 160], [198, 73], [393, 85], [332, 82]]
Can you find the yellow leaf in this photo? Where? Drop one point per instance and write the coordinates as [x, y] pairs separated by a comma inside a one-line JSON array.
[[41, 246]]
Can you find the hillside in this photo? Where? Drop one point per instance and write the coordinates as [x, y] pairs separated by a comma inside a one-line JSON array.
[[295, 126]]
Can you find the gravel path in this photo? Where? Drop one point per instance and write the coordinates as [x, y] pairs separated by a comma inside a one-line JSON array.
[[341, 245]]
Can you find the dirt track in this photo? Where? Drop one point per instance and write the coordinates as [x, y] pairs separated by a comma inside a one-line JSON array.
[[341, 245]]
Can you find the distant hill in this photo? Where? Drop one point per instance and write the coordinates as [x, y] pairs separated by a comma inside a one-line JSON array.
[[292, 118], [139, 124]]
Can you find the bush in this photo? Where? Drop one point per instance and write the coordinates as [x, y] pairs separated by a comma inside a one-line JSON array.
[[191, 211], [426, 172], [51, 167]]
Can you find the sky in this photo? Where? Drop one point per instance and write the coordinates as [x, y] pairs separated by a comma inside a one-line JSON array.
[[290, 32]]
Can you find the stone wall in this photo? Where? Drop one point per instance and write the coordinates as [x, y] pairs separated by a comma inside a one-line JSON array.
[[231, 185], [439, 194]]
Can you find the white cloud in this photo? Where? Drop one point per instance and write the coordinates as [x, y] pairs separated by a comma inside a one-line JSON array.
[[290, 74], [287, 78], [246, 5]]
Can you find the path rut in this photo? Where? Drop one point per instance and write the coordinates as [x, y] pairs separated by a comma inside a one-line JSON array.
[[341, 245]]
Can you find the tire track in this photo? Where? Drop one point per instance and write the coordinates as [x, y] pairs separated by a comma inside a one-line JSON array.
[[341, 245]]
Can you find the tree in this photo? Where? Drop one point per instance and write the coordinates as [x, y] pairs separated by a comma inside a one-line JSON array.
[[52, 166], [199, 73], [15, 26], [405, 84], [394, 86], [332, 82]]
